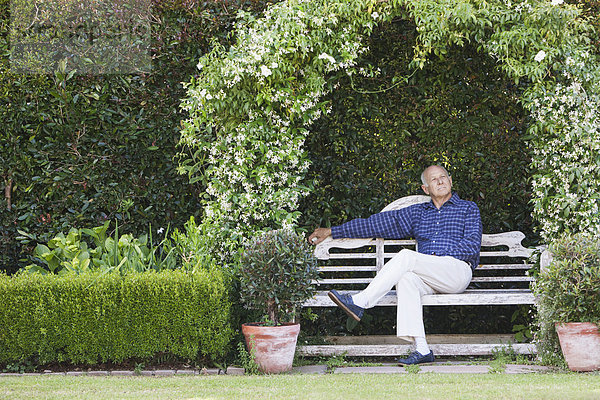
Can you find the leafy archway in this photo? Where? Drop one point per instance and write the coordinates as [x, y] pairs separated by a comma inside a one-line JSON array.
[[459, 110], [252, 104]]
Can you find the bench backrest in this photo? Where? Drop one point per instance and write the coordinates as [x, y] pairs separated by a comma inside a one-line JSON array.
[[350, 263]]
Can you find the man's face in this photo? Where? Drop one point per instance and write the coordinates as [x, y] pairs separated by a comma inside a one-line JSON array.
[[439, 184]]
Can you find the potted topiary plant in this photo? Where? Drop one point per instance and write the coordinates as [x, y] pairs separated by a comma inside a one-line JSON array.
[[568, 299], [277, 269]]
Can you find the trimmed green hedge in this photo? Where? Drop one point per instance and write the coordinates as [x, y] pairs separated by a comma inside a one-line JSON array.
[[93, 318]]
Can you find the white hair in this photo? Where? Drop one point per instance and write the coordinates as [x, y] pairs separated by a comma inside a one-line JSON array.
[[423, 173]]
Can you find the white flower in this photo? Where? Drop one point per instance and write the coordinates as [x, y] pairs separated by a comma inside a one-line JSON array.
[[264, 70], [375, 14], [540, 56], [205, 94], [325, 56], [557, 2], [160, 230]]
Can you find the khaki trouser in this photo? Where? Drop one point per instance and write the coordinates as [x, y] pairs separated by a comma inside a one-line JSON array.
[[414, 275]]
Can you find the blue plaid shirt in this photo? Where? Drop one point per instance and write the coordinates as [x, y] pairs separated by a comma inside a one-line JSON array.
[[453, 230]]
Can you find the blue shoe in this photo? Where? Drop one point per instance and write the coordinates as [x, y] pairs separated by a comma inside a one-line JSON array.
[[416, 358], [344, 301]]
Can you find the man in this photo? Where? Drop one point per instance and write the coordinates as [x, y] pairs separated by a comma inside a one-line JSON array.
[[448, 234]]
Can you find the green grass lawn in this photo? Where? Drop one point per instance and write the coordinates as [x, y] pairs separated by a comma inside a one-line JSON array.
[[351, 386]]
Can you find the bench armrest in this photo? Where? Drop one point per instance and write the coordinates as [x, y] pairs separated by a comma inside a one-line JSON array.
[[322, 249], [545, 260]]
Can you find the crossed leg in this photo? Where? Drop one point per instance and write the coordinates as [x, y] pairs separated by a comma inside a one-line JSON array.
[[414, 275]]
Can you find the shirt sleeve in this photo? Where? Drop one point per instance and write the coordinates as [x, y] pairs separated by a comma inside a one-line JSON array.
[[395, 224], [470, 245]]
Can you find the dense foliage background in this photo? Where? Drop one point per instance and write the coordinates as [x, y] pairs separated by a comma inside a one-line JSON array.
[[268, 87], [76, 150]]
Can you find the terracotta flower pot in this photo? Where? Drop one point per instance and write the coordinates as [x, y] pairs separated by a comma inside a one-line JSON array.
[[273, 346], [580, 344]]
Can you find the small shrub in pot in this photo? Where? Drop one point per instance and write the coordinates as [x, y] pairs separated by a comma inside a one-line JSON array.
[[277, 269], [568, 290]]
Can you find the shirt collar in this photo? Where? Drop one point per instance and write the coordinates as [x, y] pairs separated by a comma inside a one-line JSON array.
[[453, 200]]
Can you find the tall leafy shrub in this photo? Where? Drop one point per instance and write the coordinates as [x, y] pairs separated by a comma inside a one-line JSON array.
[[79, 149]]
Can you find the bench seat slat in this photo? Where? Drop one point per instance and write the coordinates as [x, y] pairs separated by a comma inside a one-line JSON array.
[[489, 267], [473, 297], [351, 281], [483, 254], [372, 268], [348, 268], [400, 242], [502, 279], [500, 253], [350, 256]]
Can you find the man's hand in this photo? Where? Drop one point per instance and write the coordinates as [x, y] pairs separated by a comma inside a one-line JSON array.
[[319, 235]]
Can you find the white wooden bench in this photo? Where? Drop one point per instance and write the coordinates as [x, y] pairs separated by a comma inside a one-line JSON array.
[[500, 279]]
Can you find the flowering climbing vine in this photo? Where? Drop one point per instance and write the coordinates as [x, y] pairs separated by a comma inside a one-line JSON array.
[[563, 99], [566, 182], [252, 105]]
